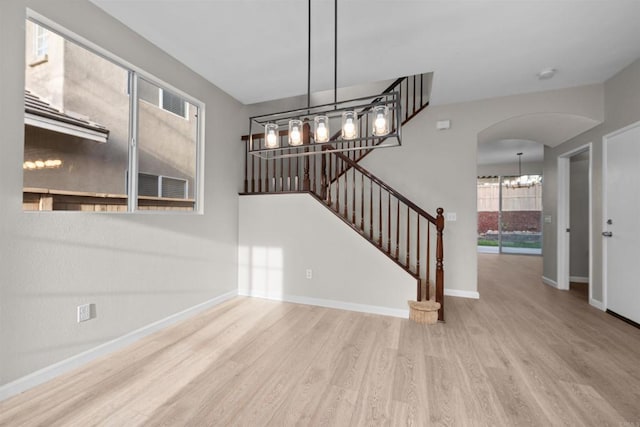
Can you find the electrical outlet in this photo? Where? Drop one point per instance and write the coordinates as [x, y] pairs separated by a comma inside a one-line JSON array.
[[309, 273], [84, 312]]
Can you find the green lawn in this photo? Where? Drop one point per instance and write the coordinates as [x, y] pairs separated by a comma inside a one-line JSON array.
[[533, 245]]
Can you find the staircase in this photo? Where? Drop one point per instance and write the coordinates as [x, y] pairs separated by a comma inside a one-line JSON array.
[[408, 235]]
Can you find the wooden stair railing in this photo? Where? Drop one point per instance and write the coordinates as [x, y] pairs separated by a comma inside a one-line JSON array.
[[394, 224], [388, 220]]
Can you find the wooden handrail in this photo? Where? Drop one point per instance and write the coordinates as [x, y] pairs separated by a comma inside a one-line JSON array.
[[387, 187]]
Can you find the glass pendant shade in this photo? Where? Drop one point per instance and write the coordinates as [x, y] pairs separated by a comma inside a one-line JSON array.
[[349, 125], [380, 120], [321, 129], [295, 132], [271, 135]]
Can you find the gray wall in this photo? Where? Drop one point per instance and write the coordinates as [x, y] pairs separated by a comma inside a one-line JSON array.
[[621, 108], [346, 268], [438, 168], [579, 215], [136, 268]]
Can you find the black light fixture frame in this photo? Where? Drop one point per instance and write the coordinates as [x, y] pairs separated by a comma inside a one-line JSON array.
[[363, 107]]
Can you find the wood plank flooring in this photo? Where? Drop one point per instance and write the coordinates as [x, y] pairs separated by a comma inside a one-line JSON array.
[[524, 354]]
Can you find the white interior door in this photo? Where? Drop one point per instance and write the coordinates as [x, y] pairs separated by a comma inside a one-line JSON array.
[[622, 205]]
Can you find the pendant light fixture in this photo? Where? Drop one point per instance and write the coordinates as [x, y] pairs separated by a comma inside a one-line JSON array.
[[295, 132], [523, 181], [313, 125]]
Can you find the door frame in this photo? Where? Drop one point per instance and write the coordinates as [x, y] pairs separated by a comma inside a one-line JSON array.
[[563, 222], [605, 213]]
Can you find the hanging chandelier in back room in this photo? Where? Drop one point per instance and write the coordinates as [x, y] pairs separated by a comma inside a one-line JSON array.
[[522, 181], [364, 123]]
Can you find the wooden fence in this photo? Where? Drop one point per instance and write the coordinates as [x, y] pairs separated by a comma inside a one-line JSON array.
[[42, 199]]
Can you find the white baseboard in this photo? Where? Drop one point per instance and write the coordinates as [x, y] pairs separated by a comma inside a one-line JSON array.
[[462, 294], [597, 304], [549, 282], [578, 279], [45, 374], [342, 305]]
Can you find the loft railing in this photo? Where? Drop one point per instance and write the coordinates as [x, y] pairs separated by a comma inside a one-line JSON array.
[[414, 93]]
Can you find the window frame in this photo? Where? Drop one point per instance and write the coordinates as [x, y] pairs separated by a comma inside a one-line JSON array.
[[40, 41], [135, 73]]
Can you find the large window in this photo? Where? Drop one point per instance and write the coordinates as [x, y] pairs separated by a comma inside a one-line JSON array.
[[102, 137], [510, 215]]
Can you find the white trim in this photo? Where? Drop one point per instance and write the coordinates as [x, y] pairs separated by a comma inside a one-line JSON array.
[[462, 294], [605, 213], [563, 222], [48, 373], [341, 305], [597, 304], [34, 120], [591, 233], [550, 282], [578, 279]]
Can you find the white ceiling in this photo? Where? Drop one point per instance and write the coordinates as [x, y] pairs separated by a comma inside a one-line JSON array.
[[256, 50]]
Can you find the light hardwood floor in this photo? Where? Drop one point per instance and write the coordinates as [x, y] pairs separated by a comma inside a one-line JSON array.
[[524, 354]]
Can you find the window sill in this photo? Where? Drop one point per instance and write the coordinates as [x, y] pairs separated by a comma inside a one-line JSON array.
[[39, 60]]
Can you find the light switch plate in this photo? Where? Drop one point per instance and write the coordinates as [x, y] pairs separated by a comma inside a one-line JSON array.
[[84, 312]]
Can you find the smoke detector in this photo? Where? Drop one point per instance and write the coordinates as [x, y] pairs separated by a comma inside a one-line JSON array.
[[547, 73]]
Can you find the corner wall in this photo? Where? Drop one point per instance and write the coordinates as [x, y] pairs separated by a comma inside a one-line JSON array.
[[136, 268], [621, 108]]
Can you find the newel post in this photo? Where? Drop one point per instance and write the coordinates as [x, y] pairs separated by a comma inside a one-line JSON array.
[[246, 164], [439, 264]]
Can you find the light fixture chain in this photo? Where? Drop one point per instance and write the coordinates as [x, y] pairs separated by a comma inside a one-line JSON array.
[[309, 58], [335, 51]]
